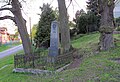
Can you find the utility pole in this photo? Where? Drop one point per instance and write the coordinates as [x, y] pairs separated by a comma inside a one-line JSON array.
[[30, 29]]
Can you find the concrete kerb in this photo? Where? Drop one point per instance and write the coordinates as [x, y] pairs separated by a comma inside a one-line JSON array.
[[38, 71]]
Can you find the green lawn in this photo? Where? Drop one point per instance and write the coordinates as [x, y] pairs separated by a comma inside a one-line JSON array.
[[7, 46], [85, 41], [94, 67]]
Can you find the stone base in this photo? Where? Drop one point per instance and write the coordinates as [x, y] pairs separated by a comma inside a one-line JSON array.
[[38, 71], [62, 68], [33, 71]]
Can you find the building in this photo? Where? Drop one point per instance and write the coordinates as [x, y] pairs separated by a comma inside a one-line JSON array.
[[4, 35]]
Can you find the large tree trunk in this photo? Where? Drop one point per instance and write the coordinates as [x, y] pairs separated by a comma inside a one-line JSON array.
[[106, 24], [21, 23], [65, 33]]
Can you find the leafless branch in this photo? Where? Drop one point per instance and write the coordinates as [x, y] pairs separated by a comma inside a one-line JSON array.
[[23, 1], [117, 2], [8, 17], [69, 4], [10, 9], [8, 2], [5, 5]]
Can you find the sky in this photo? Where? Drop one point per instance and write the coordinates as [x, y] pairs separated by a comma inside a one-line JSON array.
[[71, 10], [117, 10], [31, 10]]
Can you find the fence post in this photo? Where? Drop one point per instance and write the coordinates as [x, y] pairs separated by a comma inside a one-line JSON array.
[[54, 64], [24, 60], [33, 60], [14, 61]]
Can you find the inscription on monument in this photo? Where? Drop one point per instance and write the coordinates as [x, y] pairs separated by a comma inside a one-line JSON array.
[[54, 39]]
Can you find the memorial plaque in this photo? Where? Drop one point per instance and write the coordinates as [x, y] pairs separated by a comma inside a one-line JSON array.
[[54, 39]]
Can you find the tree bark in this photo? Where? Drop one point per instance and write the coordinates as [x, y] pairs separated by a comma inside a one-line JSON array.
[[21, 23], [106, 24], [65, 33]]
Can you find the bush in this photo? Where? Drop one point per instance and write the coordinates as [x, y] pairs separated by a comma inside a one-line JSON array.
[[118, 28], [73, 32]]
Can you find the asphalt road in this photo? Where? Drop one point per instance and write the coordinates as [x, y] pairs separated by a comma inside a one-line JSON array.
[[11, 51]]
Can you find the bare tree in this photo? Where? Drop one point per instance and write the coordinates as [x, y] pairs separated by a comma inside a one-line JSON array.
[[106, 24], [63, 18], [19, 21]]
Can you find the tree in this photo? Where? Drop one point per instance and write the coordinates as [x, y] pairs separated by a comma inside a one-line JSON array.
[[42, 37], [82, 24], [117, 22], [93, 21], [79, 13], [64, 29], [106, 24], [16, 34], [92, 6], [34, 29], [20, 22], [73, 29], [87, 22]]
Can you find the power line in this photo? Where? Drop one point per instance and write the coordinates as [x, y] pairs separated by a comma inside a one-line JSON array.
[[73, 7], [24, 12], [77, 4]]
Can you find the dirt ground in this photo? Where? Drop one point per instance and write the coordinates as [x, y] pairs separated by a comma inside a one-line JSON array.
[[75, 64]]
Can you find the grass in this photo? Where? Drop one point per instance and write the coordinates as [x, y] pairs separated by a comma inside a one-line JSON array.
[[8, 60], [85, 41], [94, 67], [7, 46]]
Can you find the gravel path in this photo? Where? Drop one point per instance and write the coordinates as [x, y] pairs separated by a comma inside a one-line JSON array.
[[11, 51]]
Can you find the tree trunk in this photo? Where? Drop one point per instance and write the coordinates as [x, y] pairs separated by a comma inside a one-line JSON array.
[[65, 33], [21, 23], [106, 24]]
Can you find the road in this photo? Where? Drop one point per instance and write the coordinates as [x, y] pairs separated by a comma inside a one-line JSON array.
[[11, 51]]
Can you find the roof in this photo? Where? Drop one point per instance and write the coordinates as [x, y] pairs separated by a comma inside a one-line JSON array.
[[3, 28], [4, 33]]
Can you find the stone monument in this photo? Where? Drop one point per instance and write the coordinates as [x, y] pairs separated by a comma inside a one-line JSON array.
[[54, 39]]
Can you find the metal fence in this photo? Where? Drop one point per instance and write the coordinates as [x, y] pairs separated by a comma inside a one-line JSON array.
[[42, 61]]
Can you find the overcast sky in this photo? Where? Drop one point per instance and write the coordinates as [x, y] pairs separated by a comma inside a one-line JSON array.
[[76, 5], [31, 9], [117, 10]]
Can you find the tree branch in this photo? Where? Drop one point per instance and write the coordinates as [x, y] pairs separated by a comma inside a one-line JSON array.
[[8, 17], [10, 9], [116, 2], [4, 5]]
